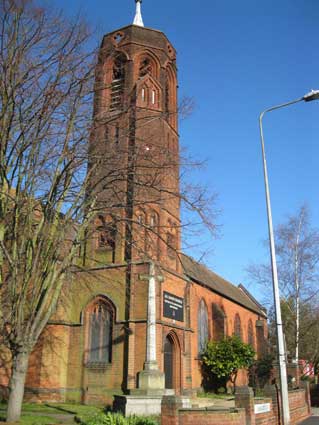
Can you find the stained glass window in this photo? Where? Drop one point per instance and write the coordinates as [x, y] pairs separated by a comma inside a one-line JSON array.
[[218, 323], [202, 324], [237, 326], [250, 335], [100, 333]]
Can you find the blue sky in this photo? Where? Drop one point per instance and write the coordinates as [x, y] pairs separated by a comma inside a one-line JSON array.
[[236, 58]]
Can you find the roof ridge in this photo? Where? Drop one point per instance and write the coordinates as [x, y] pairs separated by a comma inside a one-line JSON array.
[[251, 297], [202, 274], [211, 271]]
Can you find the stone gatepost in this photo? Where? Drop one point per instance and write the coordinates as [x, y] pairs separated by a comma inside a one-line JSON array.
[[170, 409], [244, 398], [272, 391], [305, 385]]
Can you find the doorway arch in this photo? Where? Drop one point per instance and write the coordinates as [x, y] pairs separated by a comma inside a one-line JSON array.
[[172, 364]]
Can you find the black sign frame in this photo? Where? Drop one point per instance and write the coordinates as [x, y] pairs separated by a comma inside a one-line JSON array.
[[173, 306]]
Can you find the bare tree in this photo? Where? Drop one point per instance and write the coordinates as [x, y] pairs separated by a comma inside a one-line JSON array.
[[46, 96], [48, 184], [297, 249]]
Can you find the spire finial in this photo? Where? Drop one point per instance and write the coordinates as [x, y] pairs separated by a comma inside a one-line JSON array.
[[138, 20]]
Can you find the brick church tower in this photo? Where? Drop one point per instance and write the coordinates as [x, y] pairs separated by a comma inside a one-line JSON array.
[[134, 317], [134, 153]]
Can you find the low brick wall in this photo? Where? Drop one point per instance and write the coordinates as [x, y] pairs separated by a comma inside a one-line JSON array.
[[174, 412], [299, 404], [314, 394], [211, 416], [248, 410]]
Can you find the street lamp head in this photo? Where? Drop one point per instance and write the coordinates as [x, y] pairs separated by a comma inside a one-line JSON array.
[[312, 95]]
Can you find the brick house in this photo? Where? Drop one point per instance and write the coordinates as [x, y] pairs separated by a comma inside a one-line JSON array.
[[95, 346]]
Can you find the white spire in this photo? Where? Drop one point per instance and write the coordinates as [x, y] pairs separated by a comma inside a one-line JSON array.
[[138, 20]]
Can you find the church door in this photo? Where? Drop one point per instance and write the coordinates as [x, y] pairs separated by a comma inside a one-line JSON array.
[[168, 362]]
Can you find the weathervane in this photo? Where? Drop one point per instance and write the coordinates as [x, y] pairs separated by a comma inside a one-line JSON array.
[[138, 20]]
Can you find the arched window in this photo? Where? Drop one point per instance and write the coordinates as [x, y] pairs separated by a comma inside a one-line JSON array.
[[146, 67], [167, 95], [140, 233], [250, 336], [99, 320], [152, 235], [153, 97], [218, 322], [106, 133], [170, 96], [171, 245], [143, 94], [153, 220], [117, 135], [237, 326], [107, 236], [141, 218], [117, 85], [202, 326], [107, 233]]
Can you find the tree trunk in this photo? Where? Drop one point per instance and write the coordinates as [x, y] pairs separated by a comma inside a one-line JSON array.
[[233, 381], [297, 288], [16, 386]]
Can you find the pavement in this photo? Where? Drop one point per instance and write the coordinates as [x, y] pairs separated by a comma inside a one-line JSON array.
[[314, 419]]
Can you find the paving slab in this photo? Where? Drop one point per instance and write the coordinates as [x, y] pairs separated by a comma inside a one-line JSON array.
[[313, 420]]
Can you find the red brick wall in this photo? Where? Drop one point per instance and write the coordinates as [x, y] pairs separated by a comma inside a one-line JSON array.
[[173, 412], [57, 365], [211, 417]]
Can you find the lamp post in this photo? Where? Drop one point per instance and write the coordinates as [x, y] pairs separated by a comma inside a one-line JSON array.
[[313, 95]]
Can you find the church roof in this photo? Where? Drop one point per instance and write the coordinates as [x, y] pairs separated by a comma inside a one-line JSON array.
[[202, 275]]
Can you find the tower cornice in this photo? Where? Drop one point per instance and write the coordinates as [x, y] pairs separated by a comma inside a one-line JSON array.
[[129, 32]]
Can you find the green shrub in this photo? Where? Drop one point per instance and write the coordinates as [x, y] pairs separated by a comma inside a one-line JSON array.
[[260, 372], [117, 419], [223, 359]]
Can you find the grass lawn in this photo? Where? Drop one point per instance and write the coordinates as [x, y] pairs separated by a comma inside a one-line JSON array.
[[216, 396], [30, 419], [48, 413]]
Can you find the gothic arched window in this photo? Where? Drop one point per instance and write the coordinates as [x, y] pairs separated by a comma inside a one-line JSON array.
[[250, 336], [140, 233], [107, 236], [167, 95], [106, 133], [237, 326], [170, 96], [218, 323], [171, 245], [107, 233], [202, 326], [146, 67], [141, 218], [151, 246], [153, 220], [118, 80], [99, 319]]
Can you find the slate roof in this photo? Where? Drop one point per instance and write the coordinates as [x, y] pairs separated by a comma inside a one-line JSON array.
[[202, 275]]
